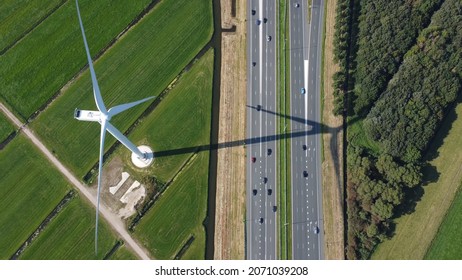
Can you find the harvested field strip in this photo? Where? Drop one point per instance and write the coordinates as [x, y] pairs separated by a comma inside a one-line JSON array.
[[53, 52], [19, 17], [29, 190], [178, 214], [415, 232], [6, 128], [447, 245], [71, 235], [141, 64]]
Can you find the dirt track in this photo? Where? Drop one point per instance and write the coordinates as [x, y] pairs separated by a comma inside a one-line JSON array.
[[230, 199], [332, 168]]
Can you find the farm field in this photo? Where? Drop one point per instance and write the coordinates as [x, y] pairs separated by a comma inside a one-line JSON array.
[[6, 128], [132, 69], [123, 253], [29, 190], [178, 214], [53, 52], [415, 232], [71, 235], [446, 244], [19, 16], [181, 120]]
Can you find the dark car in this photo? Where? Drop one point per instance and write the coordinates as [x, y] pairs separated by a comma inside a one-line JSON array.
[[316, 230], [275, 208], [305, 173], [258, 22], [261, 220], [297, 5], [270, 152], [265, 180], [254, 159], [304, 147], [254, 191], [270, 191], [268, 38], [253, 12], [258, 107], [265, 20], [254, 63]]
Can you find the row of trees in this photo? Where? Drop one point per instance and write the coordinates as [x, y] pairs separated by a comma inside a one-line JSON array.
[[409, 112], [387, 29], [415, 79]]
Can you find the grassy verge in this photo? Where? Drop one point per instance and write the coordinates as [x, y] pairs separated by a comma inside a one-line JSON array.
[[53, 52], [178, 214], [29, 191], [141, 64], [446, 244], [6, 127], [20, 16], [71, 235], [415, 232], [123, 254]]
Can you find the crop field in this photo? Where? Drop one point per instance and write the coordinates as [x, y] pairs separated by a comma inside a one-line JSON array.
[[6, 128], [415, 231], [181, 122], [178, 214], [71, 235], [123, 253], [49, 56], [29, 190], [19, 16], [447, 245], [134, 68]]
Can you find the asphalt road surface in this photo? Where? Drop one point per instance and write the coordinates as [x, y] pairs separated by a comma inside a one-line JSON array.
[[305, 74], [261, 225]]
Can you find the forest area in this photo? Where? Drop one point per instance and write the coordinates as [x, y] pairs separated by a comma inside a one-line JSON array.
[[400, 71]]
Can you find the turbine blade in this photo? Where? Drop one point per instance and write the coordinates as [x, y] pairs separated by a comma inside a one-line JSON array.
[[96, 91], [120, 108], [124, 140], [101, 152]]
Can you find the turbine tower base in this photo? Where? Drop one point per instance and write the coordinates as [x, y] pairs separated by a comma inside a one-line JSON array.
[[143, 162]]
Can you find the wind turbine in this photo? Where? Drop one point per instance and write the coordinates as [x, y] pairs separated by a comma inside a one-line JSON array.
[[141, 156]]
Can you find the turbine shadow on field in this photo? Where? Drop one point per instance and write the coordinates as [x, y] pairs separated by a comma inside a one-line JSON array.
[[312, 128]]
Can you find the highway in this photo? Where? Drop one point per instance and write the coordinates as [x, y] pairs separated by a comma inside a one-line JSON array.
[[305, 78], [261, 189]]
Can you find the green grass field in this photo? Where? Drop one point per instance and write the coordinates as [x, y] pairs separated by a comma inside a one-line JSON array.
[[123, 254], [6, 127], [447, 245], [136, 67], [181, 122], [178, 214], [415, 232], [47, 58], [29, 190], [19, 16], [71, 236]]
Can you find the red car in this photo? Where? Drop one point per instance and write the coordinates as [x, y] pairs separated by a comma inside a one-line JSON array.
[[254, 159]]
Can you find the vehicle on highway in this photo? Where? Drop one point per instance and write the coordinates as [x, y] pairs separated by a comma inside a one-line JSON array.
[[254, 191], [316, 230], [258, 22], [304, 147], [305, 173], [258, 107], [270, 152], [265, 180], [265, 20], [297, 5], [253, 12], [302, 90], [270, 191], [268, 38], [254, 63], [253, 159], [261, 220], [275, 208]]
